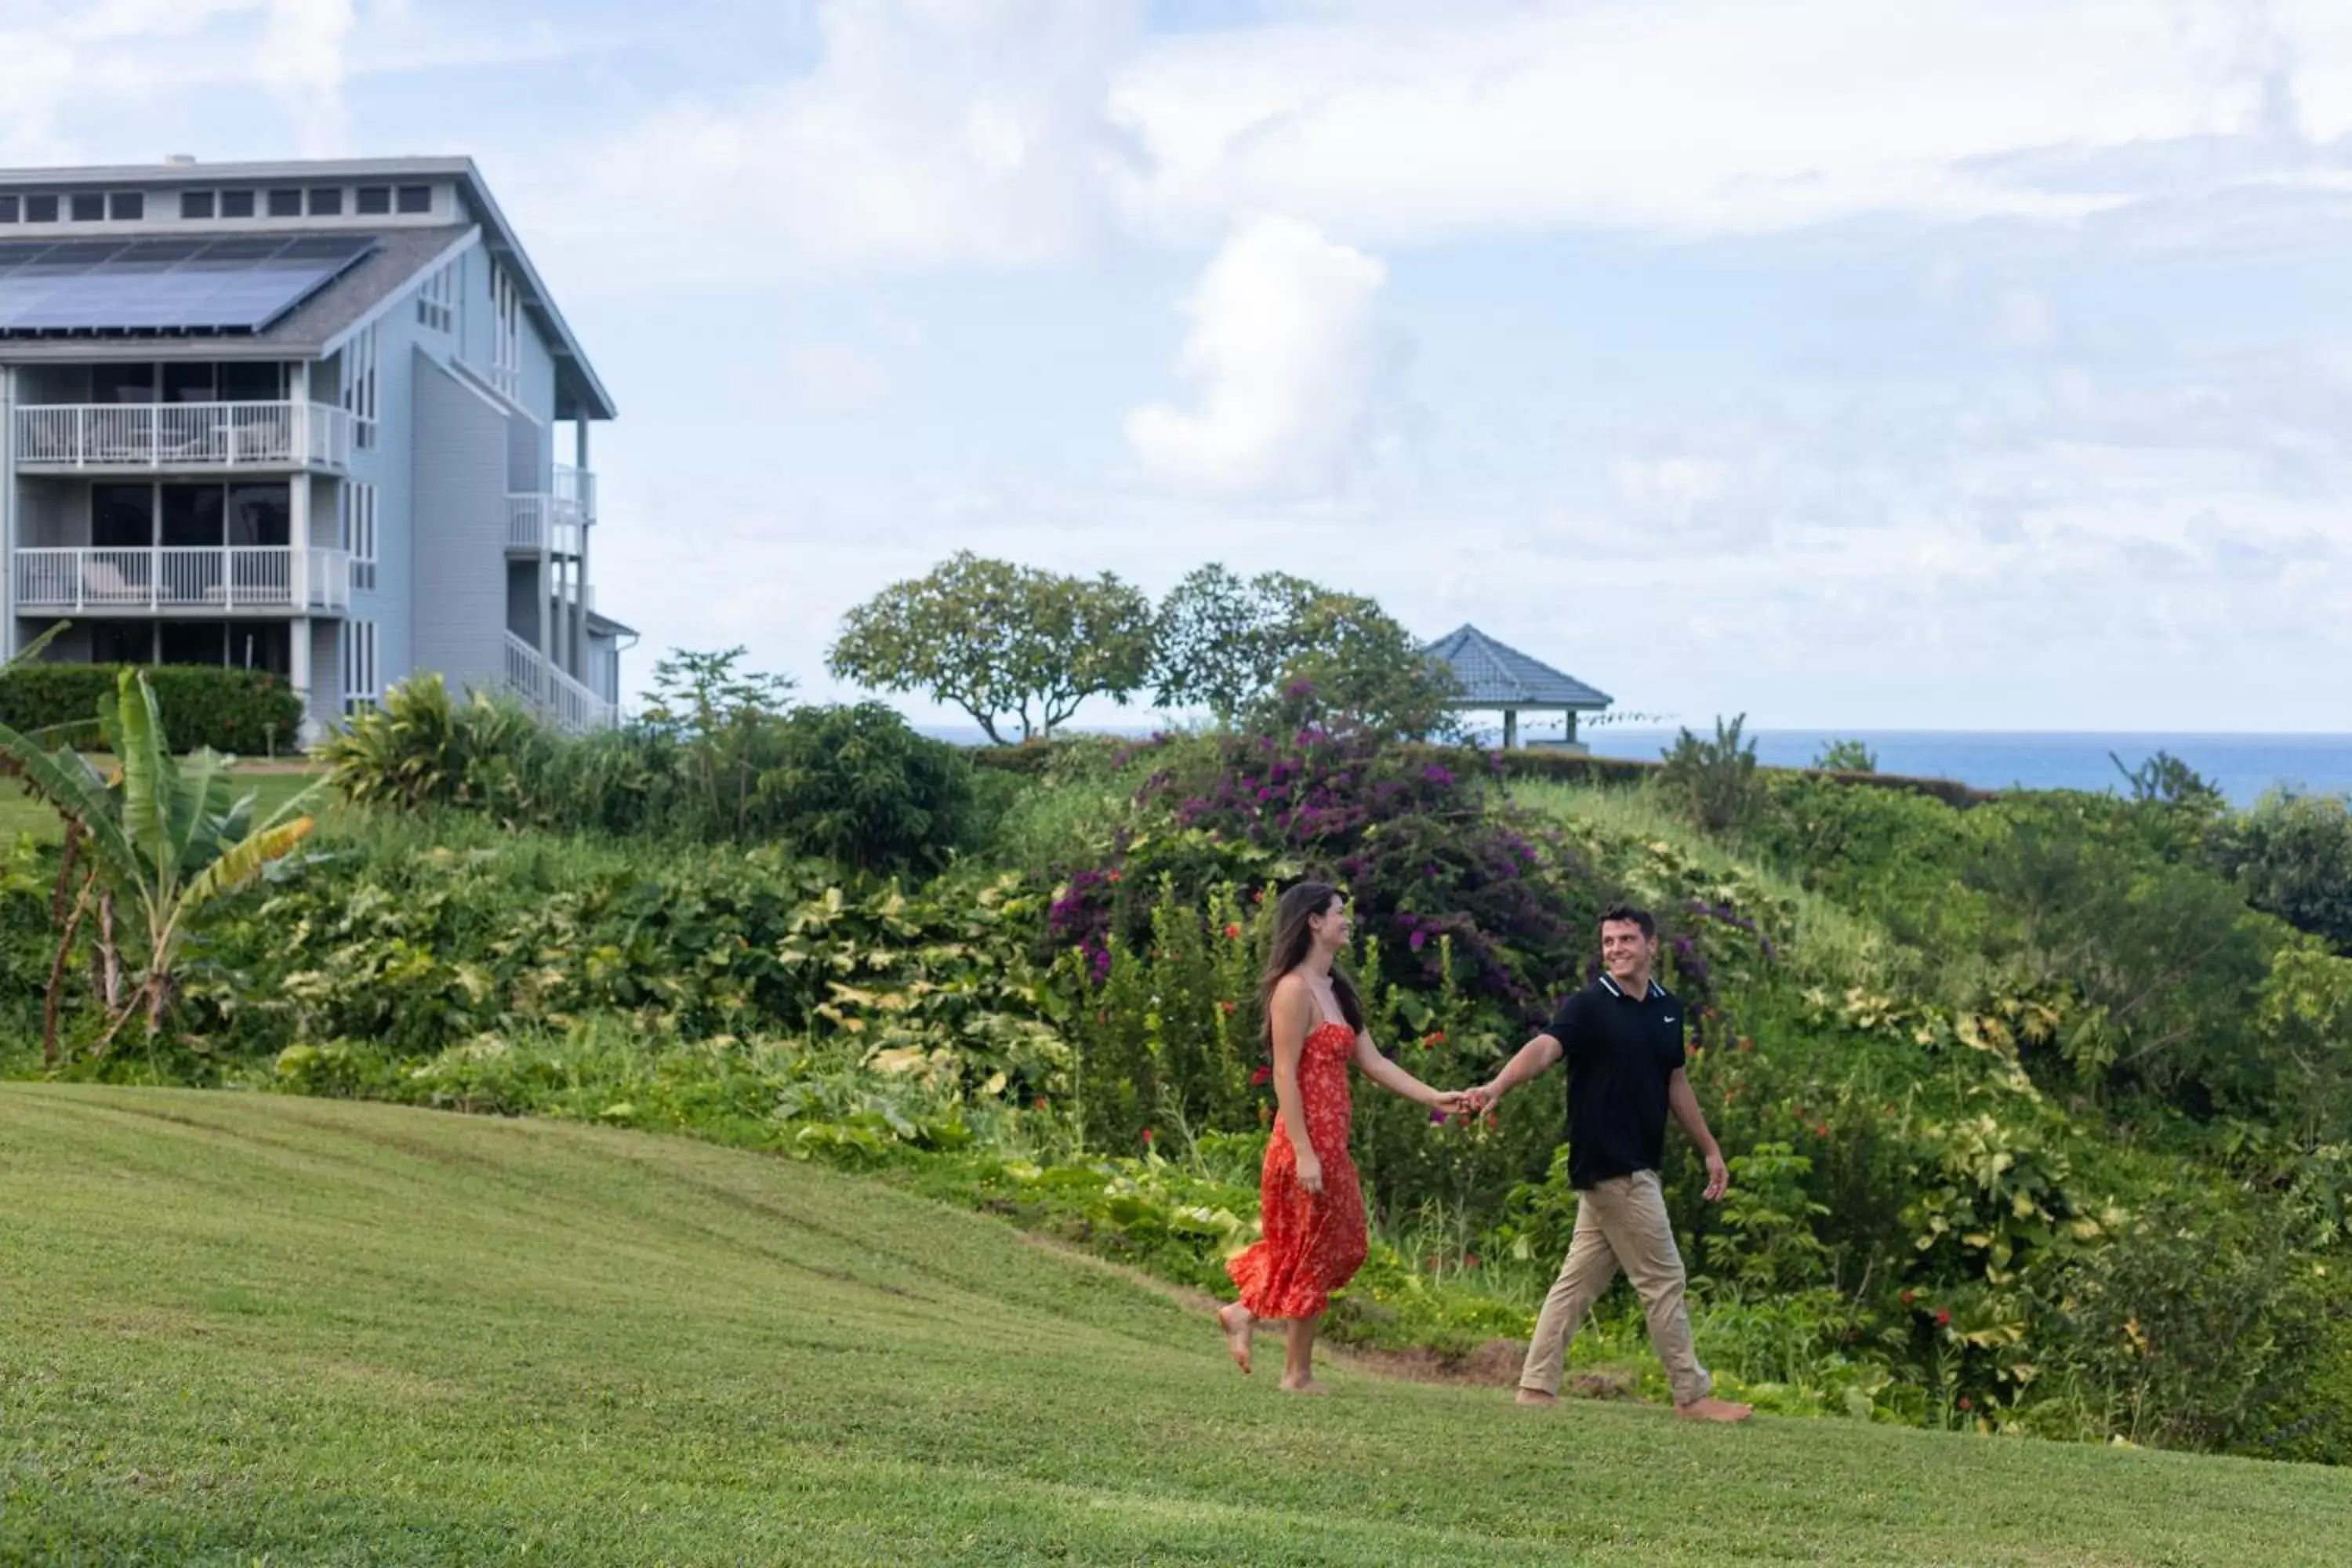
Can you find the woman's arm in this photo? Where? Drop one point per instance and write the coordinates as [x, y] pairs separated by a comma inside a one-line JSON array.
[[1293, 1009], [1396, 1081]]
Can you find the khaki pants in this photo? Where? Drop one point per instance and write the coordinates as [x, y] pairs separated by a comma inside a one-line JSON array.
[[1622, 1223]]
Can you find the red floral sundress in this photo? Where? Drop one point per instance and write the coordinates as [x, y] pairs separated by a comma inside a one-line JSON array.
[[1313, 1245]]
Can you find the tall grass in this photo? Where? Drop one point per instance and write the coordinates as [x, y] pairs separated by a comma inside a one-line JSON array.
[[1829, 945]]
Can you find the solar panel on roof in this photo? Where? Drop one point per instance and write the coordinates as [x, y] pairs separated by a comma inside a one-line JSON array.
[[153, 286]]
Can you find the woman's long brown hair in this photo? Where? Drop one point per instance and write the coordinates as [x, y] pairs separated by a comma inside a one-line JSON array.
[[1293, 940]]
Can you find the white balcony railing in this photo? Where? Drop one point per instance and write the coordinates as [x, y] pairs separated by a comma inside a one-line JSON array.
[[555, 696], [212, 577], [576, 489], [183, 436], [548, 523]]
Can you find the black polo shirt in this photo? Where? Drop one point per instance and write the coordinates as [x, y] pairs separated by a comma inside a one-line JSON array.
[[1621, 1051]]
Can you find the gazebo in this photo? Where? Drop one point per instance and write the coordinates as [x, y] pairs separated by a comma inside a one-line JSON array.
[[1499, 679]]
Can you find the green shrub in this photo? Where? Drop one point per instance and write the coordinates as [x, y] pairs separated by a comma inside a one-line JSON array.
[[1715, 781], [2293, 855], [245, 712], [856, 784]]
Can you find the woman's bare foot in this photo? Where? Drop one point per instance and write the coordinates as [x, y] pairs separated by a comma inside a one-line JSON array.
[[1238, 1324], [1712, 1409], [1302, 1385], [1537, 1396]]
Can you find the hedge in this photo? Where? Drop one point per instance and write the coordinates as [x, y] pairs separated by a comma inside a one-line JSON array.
[[1033, 757], [249, 712]]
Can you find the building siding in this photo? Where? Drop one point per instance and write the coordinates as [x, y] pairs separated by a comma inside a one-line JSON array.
[[458, 526]]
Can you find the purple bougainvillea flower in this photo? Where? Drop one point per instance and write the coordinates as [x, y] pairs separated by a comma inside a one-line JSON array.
[[1420, 939]]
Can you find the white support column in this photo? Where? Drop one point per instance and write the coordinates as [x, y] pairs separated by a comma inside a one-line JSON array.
[[8, 513], [297, 672], [297, 538], [587, 526], [298, 392]]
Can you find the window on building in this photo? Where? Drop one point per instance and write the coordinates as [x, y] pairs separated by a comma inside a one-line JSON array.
[[361, 688], [416, 198], [185, 382], [285, 203], [41, 209], [121, 517], [358, 533], [252, 381], [192, 516], [89, 206], [10, 209], [327, 201], [122, 383], [261, 645], [505, 333], [436, 301], [260, 515], [197, 203], [122, 642], [370, 201], [360, 385], [194, 642], [237, 204], [126, 206]]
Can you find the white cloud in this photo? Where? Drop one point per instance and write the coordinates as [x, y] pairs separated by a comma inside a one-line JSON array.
[[833, 378], [129, 57], [928, 132], [1284, 357], [300, 62]]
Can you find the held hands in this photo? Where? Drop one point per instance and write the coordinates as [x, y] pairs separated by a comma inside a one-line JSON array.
[[1479, 1099], [1449, 1102]]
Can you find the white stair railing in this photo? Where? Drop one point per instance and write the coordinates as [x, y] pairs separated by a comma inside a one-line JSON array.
[[553, 695]]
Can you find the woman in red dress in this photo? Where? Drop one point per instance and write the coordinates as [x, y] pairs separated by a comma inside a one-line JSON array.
[[1313, 1207]]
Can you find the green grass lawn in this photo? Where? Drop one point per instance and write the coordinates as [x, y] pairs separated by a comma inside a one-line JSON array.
[[245, 1329], [272, 784]]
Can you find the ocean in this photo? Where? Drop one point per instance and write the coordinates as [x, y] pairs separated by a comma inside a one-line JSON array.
[[2243, 767]]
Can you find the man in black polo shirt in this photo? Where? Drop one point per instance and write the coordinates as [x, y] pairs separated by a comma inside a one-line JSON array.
[[1622, 1036]]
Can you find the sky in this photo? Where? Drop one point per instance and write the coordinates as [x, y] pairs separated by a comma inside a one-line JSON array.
[[1942, 365]]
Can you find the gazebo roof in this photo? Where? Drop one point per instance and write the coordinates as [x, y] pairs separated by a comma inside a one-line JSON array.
[[1494, 675]]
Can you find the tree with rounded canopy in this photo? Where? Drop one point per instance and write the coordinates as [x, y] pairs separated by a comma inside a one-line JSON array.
[[1230, 644], [1000, 641]]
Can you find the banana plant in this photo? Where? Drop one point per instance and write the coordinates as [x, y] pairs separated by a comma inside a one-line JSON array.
[[147, 846]]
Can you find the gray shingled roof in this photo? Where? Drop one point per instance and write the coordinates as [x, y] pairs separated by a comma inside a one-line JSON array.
[[399, 255], [1494, 676]]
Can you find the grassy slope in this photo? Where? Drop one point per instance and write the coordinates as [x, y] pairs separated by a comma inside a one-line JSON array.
[[272, 784], [335, 1332]]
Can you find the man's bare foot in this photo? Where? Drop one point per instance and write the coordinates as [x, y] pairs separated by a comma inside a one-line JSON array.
[[1238, 1324], [1710, 1408], [1301, 1385], [1537, 1396]]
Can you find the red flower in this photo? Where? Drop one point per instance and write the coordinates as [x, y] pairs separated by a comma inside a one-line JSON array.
[[1746, 1044], [1435, 1038], [1232, 933], [1041, 1102], [1967, 1403], [1113, 877], [1943, 1317], [1261, 1076], [1908, 1296], [1820, 1129], [1147, 1135], [1228, 1008]]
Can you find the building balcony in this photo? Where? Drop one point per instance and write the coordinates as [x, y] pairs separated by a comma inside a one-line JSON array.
[[553, 521], [203, 437], [213, 580], [543, 522]]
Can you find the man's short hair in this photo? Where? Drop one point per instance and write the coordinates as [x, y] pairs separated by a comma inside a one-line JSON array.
[[1639, 916]]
